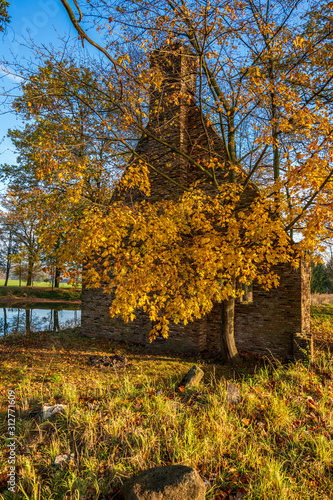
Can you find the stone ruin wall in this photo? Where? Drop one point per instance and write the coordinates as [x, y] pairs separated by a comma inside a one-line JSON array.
[[276, 322], [96, 322]]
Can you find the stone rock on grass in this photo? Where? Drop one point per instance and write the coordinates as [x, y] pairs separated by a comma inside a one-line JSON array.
[[233, 394], [173, 482], [191, 379], [49, 411], [60, 459]]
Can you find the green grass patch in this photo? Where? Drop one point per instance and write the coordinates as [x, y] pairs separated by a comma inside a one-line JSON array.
[[322, 325], [40, 293], [36, 283], [324, 311], [275, 445]]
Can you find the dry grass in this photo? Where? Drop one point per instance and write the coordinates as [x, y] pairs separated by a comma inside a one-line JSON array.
[[321, 298], [277, 444]]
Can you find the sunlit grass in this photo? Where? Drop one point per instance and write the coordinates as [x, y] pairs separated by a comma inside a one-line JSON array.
[[276, 444], [35, 283]]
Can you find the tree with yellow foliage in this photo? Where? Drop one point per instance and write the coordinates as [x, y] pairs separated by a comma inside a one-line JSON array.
[[265, 88]]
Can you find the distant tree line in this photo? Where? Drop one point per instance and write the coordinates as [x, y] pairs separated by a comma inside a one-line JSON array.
[[322, 277], [21, 255]]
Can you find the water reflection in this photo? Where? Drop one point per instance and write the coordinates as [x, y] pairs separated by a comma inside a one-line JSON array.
[[21, 319]]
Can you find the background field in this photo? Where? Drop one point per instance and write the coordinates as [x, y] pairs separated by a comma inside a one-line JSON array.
[[36, 283]]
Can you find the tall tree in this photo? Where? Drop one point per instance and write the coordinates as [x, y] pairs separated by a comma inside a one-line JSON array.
[[320, 282], [68, 156], [8, 245], [23, 221]]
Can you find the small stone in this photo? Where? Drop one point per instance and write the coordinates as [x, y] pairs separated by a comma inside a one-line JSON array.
[[191, 379], [92, 406], [60, 459], [206, 483], [173, 482], [233, 394], [240, 494], [49, 411]]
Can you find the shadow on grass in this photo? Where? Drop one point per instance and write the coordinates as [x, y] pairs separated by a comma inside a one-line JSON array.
[[71, 346]]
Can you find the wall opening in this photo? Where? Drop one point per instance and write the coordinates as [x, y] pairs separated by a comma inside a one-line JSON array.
[[247, 293]]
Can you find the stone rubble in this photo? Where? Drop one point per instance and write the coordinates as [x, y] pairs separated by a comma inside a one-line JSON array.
[[49, 411], [173, 482], [60, 459], [191, 379], [233, 394]]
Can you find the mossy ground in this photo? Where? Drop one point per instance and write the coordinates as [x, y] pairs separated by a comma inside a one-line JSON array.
[[276, 444]]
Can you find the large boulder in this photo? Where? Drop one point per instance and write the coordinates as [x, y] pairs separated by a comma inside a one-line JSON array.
[[173, 482]]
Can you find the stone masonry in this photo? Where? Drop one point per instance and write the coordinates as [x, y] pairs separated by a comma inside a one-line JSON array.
[[276, 322]]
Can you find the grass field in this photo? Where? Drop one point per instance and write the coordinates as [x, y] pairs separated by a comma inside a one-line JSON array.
[[36, 283], [275, 445]]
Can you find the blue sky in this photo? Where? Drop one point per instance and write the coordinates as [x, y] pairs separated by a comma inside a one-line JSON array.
[[37, 21]]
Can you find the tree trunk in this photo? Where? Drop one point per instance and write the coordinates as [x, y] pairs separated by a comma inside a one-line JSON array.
[[7, 273], [9, 253], [228, 345], [57, 277], [30, 271]]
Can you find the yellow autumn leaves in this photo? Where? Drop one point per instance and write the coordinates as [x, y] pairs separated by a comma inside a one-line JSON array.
[[174, 259]]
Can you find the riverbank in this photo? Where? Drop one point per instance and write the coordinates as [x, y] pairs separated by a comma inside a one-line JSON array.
[[277, 443], [14, 294]]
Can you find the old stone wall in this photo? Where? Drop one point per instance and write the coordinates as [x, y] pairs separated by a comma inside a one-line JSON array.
[[96, 322], [276, 323], [95, 319]]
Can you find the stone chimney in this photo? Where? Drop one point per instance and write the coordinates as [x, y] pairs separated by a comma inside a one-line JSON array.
[[174, 72]]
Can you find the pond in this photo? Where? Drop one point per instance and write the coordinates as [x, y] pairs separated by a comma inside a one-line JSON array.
[[38, 317]]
